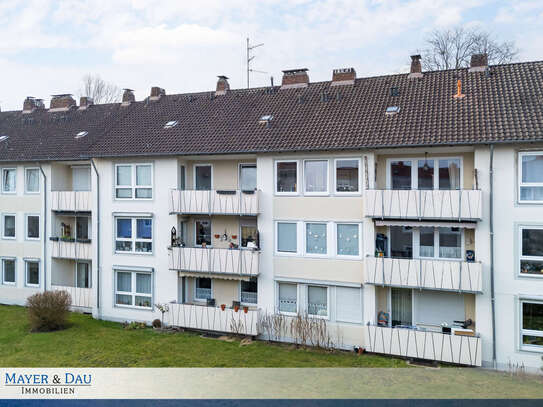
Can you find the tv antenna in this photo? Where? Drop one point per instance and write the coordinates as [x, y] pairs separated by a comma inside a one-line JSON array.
[[250, 58]]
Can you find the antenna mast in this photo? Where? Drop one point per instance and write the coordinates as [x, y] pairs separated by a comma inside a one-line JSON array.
[[250, 58]]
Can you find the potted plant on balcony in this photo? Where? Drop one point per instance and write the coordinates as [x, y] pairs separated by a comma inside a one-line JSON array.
[[235, 305], [223, 307], [234, 236], [83, 240], [245, 309], [216, 235], [54, 238], [67, 239]]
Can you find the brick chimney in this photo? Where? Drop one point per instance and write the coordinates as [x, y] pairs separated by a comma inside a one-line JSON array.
[[343, 76], [128, 97], [156, 93], [85, 102], [222, 85], [416, 67], [61, 103], [295, 78], [479, 62], [31, 103]]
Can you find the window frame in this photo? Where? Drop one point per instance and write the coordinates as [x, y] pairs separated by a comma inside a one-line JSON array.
[[2, 180], [275, 178], [197, 299], [26, 181], [414, 171], [316, 193], [134, 238], [348, 193], [348, 256], [27, 215], [133, 181], [527, 184], [194, 176], [520, 257], [528, 332], [27, 262], [298, 239], [3, 225], [133, 293], [3, 270]]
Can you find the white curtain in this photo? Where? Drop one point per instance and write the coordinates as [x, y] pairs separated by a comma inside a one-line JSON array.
[[317, 301], [124, 281], [143, 283], [32, 180], [316, 176], [288, 297]]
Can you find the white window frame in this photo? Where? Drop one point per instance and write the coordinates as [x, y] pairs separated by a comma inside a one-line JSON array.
[[348, 193], [134, 237], [3, 224], [195, 298], [317, 193], [27, 262], [414, 171], [277, 300], [249, 304], [133, 179], [345, 256], [329, 236], [327, 316], [416, 244], [26, 183], [15, 189], [299, 239], [298, 189], [208, 246], [527, 184], [2, 260], [194, 176], [528, 332], [27, 215], [133, 291], [521, 257]]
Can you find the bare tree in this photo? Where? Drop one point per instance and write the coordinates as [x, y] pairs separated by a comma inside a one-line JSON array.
[[99, 90], [452, 49]]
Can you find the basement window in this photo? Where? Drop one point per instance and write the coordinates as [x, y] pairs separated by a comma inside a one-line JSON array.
[[3, 138], [81, 134], [170, 124], [393, 110]]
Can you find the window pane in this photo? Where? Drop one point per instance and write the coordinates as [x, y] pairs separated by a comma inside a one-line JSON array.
[[347, 175], [83, 275], [426, 242], [33, 272], [248, 177], [82, 227], [81, 178], [532, 340], [400, 174], [124, 228], [288, 297], [249, 291], [143, 301], [287, 237], [144, 247], [143, 283], [317, 301], [316, 176], [124, 175], [532, 316], [426, 174], [532, 168], [123, 246], [33, 227], [182, 181], [531, 193], [531, 267], [144, 228], [203, 288], [532, 242], [316, 238], [9, 271], [9, 226], [123, 299], [124, 281], [144, 193], [286, 177], [203, 232], [450, 243], [401, 306], [449, 174], [32, 180], [143, 175], [203, 177], [347, 240], [203, 283], [8, 181], [124, 192], [401, 242], [248, 236]]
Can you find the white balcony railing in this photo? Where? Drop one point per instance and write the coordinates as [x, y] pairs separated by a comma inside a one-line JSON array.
[[424, 204], [432, 274], [213, 319], [71, 201], [71, 250], [81, 297], [243, 263], [411, 343], [214, 202]]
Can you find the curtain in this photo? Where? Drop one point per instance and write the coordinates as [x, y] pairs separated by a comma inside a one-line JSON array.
[[82, 227], [286, 237], [9, 180], [124, 281], [143, 175], [317, 301], [449, 174], [32, 180], [401, 306], [143, 283], [347, 240], [288, 297], [81, 178], [450, 243], [316, 176], [124, 175], [83, 275], [286, 176]]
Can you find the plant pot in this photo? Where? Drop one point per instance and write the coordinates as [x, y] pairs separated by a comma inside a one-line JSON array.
[[236, 308], [217, 236], [361, 350], [234, 236], [246, 309], [53, 239], [223, 306]]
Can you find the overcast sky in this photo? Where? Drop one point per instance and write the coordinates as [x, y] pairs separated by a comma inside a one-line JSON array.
[[46, 46]]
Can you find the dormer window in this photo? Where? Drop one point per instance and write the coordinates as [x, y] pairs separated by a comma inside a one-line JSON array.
[[170, 124], [81, 134]]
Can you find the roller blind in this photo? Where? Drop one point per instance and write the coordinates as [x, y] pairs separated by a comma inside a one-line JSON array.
[[434, 308], [348, 304]]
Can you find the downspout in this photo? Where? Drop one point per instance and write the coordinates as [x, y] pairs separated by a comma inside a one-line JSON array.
[[491, 219], [97, 239], [44, 227]]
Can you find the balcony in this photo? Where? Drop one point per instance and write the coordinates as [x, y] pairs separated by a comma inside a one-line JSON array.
[[81, 297], [461, 204], [431, 274], [71, 201], [71, 249], [419, 344], [214, 202], [228, 262], [213, 319]]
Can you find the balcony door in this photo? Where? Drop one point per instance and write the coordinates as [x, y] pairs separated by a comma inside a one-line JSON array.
[[81, 177], [425, 173], [401, 300], [203, 177]]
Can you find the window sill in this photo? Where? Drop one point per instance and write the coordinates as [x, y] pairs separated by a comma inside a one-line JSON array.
[[134, 307], [9, 238]]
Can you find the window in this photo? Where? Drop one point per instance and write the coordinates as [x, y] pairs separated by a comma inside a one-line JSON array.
[[170, 124], [531, 324], [247, 176], [83, 275], [425, 173], [317, 301], [450, 243], [134, 181], [427, 242], [348, 239], [82, 227], [287, 239], [182, 178], [32, 227], [249, 291], [32, 180], [249, 236], [400, 174], [32, 273], [531, 177], [315, 238], [133, 289], [286, 177], [349, 304], [316, 177], [203, 177], [531, 250], [288, 298], [81, 178], [449, 174], [9, 178], [8, 226], [203, 289], [203, 233], [347, 176], [8, 271], [401, 242], [134, 235]]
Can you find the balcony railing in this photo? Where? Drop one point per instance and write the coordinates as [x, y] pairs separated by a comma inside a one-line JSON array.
[[214, 202], [431, 274], [71, 250], [81, 297], [412, 343], [213, 319], [235, 262], [424, 204], [71, 201]]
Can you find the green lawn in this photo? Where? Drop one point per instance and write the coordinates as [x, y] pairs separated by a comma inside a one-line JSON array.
[[91, 343]]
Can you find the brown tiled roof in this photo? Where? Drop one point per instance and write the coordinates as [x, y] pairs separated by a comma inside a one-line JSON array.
[[505, 105]]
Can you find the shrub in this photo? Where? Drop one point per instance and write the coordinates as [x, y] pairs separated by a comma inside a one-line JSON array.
[[157, 323], [48, 311], [134, 325]]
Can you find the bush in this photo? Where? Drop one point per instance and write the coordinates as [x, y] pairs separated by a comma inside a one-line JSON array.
[[134, 325], [48, 311], [157, 323]]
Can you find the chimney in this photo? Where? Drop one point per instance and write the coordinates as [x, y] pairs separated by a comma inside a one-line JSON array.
[[343, 76], [222, 85], [31, 103], [156, 93], [479, 62], [60, 103], [295, 78], [85, 102], [416, 67], [128, 97]]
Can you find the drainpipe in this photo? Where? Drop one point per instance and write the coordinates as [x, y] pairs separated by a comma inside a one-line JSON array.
[[44, 228], [97, 239], [491, 218]]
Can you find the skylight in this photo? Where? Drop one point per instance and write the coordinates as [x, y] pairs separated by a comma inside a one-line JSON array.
[[170, 124], [3, 138], [393, 109], [266, 118], [81, 134]]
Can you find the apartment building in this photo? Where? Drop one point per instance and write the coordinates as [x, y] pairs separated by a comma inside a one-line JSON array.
[[401, 211]]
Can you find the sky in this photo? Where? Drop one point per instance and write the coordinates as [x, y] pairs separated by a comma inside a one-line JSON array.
[[47, 46]]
